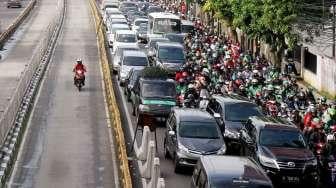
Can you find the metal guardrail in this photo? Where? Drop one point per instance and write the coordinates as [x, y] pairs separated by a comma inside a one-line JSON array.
[[14, 120], [125, 176], [12, 28]]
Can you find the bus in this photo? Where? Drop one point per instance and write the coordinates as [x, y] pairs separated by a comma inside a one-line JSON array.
[[161, 23]]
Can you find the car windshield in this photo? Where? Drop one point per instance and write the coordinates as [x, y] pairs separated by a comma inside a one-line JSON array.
[[159, 90], [128, 38], [138, 22], [118, 28], [176, 38], [198, 129], [241, 111], [173, 53], [187, 28], [154, 9], [154, 41], [281, 138], [135, 61]]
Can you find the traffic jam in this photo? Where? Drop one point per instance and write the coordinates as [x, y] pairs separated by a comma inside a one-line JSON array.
[[233, 117]]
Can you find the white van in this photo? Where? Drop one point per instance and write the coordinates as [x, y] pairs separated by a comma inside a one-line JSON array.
[[109, 4]]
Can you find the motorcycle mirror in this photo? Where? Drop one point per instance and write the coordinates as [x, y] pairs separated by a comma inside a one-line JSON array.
[[171, 133], [217, 115]]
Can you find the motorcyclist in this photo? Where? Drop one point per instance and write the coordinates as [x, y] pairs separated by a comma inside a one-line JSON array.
[[254, 88], [317, 135], [79, 66]]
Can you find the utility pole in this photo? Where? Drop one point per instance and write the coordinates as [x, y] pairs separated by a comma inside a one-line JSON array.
[[334, 27]]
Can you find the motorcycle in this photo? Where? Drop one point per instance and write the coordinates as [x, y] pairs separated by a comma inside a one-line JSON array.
[[79, 79], [204, 99]]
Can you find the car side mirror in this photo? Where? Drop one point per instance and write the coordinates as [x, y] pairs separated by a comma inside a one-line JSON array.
[[151, 54], [217, 115], [171, 133], [146, 46]]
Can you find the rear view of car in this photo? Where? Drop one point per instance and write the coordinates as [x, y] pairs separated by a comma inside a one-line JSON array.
[[14, 3]]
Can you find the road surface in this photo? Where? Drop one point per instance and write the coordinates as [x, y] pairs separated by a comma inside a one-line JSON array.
[[8, 15], [67, 143]]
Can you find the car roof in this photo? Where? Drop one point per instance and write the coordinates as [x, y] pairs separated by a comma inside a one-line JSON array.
[[229, 167], [186, 22], [140, 19], [191, 114], [113, 16], [169, 44], [119, 26], [111, 9], [230, 99], [270, 122], [134, 53], [128, 32], [127, 45], [163, 15]]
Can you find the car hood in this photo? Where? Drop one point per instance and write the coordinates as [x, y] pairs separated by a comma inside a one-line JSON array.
[[125, 68], [233, 125], [283, 153], [202, 145]]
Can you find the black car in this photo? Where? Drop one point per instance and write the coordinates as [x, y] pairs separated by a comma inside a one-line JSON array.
[[191, 133], [152, 9], [231, 112], [228, 171], [153, 97], [130, 80], [168, 55], [175, 37], [280, 148]]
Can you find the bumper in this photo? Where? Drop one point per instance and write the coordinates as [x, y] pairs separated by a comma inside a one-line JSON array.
[[187, 159]]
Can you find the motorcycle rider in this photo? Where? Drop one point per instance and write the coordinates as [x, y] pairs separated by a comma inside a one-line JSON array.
[[317, 136], [79, 66]]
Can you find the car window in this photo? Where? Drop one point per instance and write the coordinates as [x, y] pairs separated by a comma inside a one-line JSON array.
[[281, 138], [138, 22], [196, 129], [127, 38], [159, 90], [174, 53], [135, 61], [241, 111], [173, 123]]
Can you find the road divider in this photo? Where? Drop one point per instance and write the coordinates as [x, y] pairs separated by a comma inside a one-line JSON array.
[[4, 36], [124, 170]]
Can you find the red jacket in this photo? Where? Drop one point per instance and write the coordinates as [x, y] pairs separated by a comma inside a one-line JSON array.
[[79, 67]]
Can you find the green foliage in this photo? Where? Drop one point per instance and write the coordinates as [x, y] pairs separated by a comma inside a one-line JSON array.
[[155, 72], [222, 8]]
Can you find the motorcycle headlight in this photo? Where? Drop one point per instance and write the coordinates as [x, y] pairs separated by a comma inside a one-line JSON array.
[[222, 150], [143, 107], [312, 162], [268, 162], [231, 134], [182, 148]]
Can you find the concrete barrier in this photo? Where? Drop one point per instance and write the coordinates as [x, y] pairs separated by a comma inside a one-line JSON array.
[[125, 176], [141, 152], [155, 180], [12, 28], [146, 167]]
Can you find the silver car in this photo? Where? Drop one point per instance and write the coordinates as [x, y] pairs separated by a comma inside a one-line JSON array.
[[118, 54]]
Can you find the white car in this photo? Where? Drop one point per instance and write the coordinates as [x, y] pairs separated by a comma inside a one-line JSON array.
[[111, 17], [112, 31], [131, 60], [137, 22], [119, 51], [124, 37], [110, 11]]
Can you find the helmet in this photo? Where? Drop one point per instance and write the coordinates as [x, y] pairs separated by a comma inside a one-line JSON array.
[[332, 111], [316, 123], [79, 60], [254, 81]]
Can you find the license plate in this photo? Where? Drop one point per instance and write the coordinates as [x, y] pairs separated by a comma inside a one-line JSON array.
[[291, 179]]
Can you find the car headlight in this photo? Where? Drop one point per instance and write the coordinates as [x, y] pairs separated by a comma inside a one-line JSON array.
[[268, 162], [182, 148], [143, 107], [231, 134], [222, 150], [312, 162]]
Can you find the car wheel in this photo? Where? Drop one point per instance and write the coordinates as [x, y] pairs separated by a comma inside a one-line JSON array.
[[133, 109], [242, 151], [177, 168], [166, 152]]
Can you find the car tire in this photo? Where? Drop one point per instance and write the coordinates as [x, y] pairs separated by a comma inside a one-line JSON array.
[[166, 152], [177, 168], [133, 110], [242, 151]]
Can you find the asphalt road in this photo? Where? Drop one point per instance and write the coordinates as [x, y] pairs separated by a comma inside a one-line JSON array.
[[8, 15], [172, 179], [67, 143]]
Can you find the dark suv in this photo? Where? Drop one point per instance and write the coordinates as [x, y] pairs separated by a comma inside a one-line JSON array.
[[153, 97], [231, 112], [228, 171], [280, 148]]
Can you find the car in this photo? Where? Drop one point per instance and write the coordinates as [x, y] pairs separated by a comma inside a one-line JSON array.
[[280, 149], [109, 19], [187, 27], [152, 97], [130, 80], [118, 21], [113, 29], [128, 4], [175, 37], [191, 133], [142, 33], [231, 111], [109, 4], [14, 3], [168, 55], [228, 171], [124, 37], [152, 9], [132, 15], [131, 60], [119, 52], [136, 23], [110, 11], [152, 43]]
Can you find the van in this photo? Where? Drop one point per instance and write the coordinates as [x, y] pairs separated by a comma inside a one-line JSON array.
[[228, 171]]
